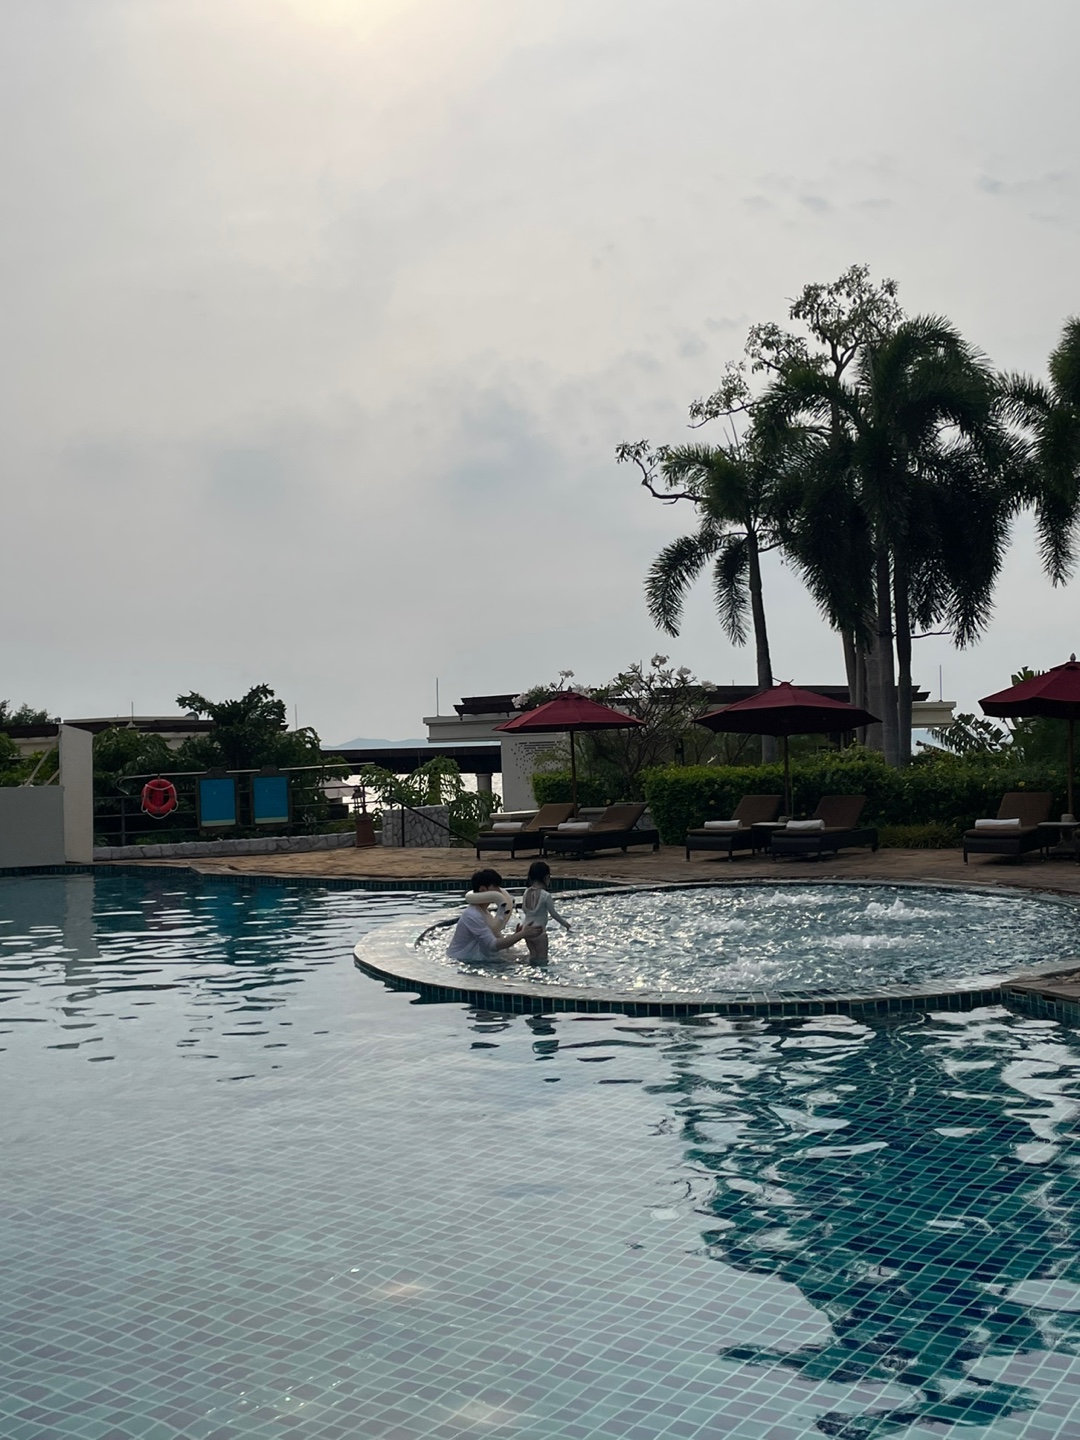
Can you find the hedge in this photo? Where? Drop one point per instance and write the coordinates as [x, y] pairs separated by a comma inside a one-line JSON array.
[[950, 793], [553, 787]]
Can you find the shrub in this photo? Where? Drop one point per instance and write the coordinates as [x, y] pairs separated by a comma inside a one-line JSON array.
[[553, 787], [945, 790]]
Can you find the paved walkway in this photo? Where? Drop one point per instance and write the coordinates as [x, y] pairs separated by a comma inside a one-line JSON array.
[[668, 865]]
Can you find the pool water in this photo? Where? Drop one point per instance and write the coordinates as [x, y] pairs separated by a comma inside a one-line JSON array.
[[836, 938], [248, 1192]]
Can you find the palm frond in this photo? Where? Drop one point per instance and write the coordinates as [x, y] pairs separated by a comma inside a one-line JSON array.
[[729, 587], [1064, 365], [673, 572]]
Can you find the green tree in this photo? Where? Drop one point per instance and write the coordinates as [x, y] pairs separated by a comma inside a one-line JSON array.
[[248, 733], [15, 768], [24, 715], [1049, 417], [911, 447], [838, 317], [437, 782], [667, 698], [734, 489], [122, 751], [1038, 741]]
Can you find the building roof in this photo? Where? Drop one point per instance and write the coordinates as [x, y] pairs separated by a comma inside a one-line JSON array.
[[148, 724]]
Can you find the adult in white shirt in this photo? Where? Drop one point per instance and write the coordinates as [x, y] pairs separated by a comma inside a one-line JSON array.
[[478, 935]]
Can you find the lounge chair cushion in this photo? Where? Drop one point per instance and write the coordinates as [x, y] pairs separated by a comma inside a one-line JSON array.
[[840, 812], [757, 809], [997, 824], [802, 826], [723, 825], [1030, 807], [575, 825], [506, 827], [619, 817], [550, 815]]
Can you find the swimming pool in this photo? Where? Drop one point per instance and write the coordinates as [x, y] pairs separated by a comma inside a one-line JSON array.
[[249, 1192]]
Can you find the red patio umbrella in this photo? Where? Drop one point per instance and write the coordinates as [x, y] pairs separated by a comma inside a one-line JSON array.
[[1055, 694], [568, 713], [785, 711]]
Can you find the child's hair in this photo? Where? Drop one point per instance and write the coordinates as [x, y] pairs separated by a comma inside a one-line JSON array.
[[485, 877], [539, 873]]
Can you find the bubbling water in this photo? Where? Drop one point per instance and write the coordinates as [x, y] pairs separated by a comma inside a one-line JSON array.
[[801, 937]]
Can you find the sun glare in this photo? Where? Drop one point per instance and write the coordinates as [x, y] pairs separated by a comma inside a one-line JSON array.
[[359, 17]]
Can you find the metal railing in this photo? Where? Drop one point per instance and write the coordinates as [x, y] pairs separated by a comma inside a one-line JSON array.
[[119, 818]]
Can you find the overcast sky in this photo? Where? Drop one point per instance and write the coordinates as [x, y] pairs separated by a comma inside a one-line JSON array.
[[322, 319]]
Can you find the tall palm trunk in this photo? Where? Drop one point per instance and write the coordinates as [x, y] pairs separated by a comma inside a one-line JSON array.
[[882, 668], [903, 663], [851, 664], [761, 633], [855, 669], [863, 688]]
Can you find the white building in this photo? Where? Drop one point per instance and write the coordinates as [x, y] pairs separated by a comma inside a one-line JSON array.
[[475, 718]]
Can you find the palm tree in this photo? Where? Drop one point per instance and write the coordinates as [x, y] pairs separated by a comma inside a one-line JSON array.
[[733, 487], [908, 482], [1050, 416]]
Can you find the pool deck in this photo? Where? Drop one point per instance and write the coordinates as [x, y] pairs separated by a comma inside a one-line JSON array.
[[668, 865]]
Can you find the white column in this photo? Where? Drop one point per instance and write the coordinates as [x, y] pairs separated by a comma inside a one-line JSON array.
[[77, 784]]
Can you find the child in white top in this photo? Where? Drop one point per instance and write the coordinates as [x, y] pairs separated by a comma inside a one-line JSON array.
[[537, 910]]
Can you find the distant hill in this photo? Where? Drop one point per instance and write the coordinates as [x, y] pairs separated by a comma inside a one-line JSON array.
[[366, 744]]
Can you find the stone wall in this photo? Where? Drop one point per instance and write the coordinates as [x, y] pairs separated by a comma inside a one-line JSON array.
[[256, 845], [424, 827]]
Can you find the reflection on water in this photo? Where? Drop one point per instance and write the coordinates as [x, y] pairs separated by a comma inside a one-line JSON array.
[[207, 954], [837, 938], [917, 1183], [816, 1227]]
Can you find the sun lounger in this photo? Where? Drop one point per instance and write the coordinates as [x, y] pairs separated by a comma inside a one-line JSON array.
[[1030, 808], [531, 834], [751, 810], [839, 828], [613, 831]]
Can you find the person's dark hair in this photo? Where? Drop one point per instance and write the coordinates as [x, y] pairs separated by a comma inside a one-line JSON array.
[[539, 873], [485, 877]]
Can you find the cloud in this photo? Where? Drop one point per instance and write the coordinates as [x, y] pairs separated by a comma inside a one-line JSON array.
[[322, 321]]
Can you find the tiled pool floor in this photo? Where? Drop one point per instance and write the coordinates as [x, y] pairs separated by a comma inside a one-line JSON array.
[[292, 1204]]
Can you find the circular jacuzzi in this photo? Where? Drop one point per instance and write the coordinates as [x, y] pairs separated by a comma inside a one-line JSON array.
[[781, 948]]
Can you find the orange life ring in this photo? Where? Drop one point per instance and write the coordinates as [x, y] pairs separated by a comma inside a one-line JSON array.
[[159, 798]]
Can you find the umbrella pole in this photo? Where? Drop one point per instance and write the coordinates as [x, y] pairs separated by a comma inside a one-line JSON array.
[[573, 772], [1070, 777], [787, 778]]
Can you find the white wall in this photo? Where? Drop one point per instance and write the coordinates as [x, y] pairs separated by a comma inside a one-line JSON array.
[[77, 784], [31, 825], [520, 755], [52, 824]]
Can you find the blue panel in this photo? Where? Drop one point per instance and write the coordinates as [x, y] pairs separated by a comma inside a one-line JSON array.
[[270, 799], [217, 802]]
